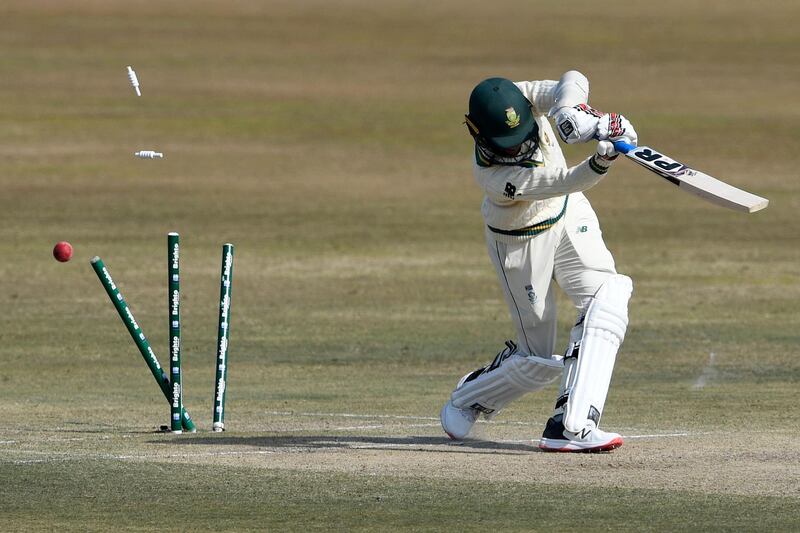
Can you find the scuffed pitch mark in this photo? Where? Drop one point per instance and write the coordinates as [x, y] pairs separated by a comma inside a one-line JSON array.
[[660, 435], [350, 415], [709, 373], [77, 456], [369, 416]]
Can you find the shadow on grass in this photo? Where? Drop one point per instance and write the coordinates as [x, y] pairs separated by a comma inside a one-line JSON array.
[[312, 442]]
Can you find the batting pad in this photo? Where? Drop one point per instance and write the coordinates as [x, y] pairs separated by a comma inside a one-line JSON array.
[[604, 328], [496, 386]]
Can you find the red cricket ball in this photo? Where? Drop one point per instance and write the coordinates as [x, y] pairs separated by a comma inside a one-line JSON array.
[[62, 251]]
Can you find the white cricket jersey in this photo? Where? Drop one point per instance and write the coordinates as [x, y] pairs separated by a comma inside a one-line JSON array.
[[524, 199]]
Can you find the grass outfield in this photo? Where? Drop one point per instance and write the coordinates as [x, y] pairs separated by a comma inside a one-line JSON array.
[[328, 145], [154, 496]]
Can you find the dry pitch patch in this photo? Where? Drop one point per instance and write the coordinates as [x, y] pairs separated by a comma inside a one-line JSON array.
[[714, 462]]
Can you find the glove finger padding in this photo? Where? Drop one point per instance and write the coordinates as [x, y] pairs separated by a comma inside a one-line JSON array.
[[615, 127], [606, 151]]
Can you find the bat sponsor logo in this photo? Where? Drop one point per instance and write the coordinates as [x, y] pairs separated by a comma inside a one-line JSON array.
[[693, 181], [662, 162], [664, 166]]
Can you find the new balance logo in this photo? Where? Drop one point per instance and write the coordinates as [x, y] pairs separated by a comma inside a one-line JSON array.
[[585, 432]]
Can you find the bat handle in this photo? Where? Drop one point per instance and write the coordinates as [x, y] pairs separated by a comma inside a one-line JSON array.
[[622, 146]]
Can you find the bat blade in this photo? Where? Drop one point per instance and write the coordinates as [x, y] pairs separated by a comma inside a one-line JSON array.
[[692, 181], [720, 193]]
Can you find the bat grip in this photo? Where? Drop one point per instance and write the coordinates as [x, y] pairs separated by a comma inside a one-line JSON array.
[[622, 146]]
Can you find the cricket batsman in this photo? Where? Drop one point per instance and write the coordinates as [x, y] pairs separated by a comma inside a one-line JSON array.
[[541, 229]]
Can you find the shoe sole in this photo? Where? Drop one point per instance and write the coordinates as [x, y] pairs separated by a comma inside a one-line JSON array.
[[549, 445]]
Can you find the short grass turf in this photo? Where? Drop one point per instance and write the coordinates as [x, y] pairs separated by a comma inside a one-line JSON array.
[[101, 495]]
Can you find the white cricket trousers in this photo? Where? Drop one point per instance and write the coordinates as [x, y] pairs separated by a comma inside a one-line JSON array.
[[571, 253]]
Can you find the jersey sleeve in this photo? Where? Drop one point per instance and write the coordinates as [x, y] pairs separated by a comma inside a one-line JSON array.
[[572, 90], [540, 93], [548, 96], [539, 183]]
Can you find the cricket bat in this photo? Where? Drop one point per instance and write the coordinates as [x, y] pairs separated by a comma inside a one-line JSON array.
[[691, 180]]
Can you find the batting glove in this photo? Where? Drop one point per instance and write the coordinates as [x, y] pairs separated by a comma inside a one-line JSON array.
[[602, 159], [577, 123], [606, 151], [615, 127]]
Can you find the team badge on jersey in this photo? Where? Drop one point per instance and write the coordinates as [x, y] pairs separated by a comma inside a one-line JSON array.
[[513, 118]]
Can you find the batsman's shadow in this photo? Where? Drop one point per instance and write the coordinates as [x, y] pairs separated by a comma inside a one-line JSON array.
[[321, 442]]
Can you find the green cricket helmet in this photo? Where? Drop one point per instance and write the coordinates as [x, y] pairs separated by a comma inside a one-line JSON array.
[[500, 117]]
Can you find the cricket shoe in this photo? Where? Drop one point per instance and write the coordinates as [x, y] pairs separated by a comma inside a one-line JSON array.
[[457, 422], [556, 438]]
